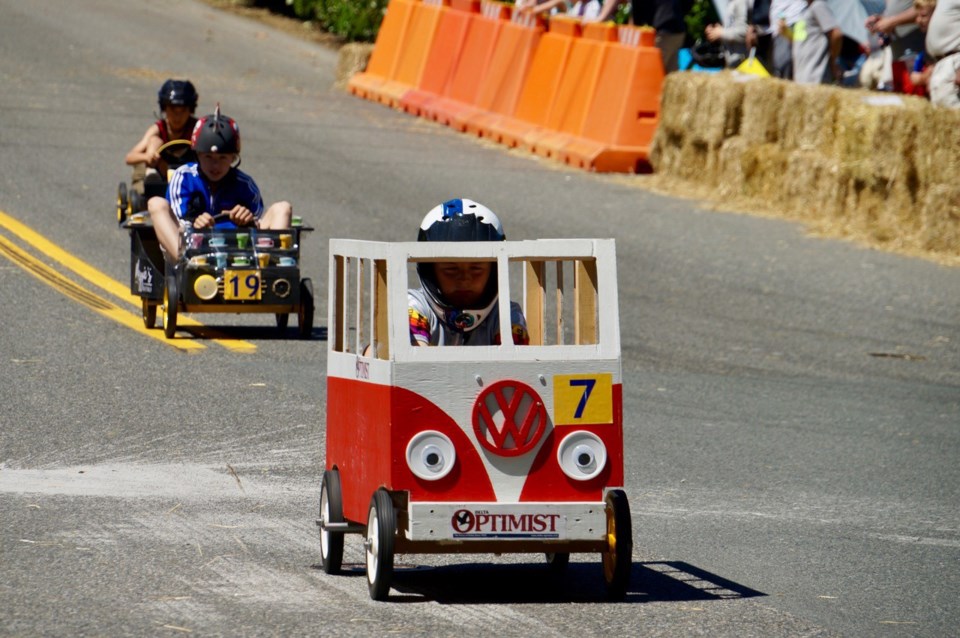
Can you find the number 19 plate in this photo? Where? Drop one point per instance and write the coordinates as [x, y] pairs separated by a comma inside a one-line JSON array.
[[241, 285]]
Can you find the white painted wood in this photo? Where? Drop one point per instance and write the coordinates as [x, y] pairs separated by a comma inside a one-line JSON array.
[[434, 521]]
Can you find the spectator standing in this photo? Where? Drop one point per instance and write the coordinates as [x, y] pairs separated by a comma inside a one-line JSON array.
[[943, 45], [732, 34], [784, 14], [898, 22], [817, 40], [666, 16], [922, 68]]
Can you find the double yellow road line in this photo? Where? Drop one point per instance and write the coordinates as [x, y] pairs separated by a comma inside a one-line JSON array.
[[95, 302]]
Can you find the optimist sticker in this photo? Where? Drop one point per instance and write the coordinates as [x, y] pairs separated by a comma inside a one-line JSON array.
[[509, 418], [481, 524], [582, 398]]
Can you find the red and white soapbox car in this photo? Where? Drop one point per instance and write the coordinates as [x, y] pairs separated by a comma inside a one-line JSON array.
[[476, 449]]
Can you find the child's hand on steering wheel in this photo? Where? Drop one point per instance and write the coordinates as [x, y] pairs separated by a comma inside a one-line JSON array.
[[241, 216], [204, 220]]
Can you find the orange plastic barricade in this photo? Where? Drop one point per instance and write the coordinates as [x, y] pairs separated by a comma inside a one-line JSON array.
[[625, 108], [461, 92], [443, 56], [413, 54], [568, 112], [540, 85], [500, 90], [386, 52]]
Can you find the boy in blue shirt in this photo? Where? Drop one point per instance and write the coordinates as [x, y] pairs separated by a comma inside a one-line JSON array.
[[212, 186]]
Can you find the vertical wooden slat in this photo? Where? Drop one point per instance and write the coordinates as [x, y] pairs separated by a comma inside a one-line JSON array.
[[381, 322], [358, 307], [534, 283], [339, 327], [559, 303], [585, 302]]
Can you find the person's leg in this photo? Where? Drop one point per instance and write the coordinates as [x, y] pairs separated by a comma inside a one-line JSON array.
[[943, 82], [139, 173], [277, 217], [166, 226], [782, 58], [669, 45]]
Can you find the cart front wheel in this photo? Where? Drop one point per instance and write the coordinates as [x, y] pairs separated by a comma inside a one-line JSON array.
[[331, 511], [148, 310], [305, 310], [123, 203], [617, 560], [381, 530], [171, 297]]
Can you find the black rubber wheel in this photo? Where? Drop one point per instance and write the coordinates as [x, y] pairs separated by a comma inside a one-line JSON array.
[[137, 203], [123, 202], [171, 297], [148, 310], [381, 531], [305, 310], [331, 511], [618, 559], [282, 320]]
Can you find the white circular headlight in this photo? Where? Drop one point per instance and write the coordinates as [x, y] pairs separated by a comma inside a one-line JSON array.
[[205, 286], [430, 455], [582, 455]]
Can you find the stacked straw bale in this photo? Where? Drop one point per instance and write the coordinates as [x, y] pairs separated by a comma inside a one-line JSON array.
[[851, 162]]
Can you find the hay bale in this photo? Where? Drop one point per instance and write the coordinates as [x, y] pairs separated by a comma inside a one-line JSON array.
[[813, 187], [351, 59], [665, 151], [940, 221], [730, 166], [679, 90], [762, 101], [938, 142], [717, 115], [807, 117]]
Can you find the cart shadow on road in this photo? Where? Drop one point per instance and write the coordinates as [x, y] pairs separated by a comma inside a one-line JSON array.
[[488, 583], [253, 333]]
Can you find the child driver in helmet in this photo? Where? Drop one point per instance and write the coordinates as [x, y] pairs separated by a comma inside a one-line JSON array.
[[212, 192], [177, 100], [456, 304]]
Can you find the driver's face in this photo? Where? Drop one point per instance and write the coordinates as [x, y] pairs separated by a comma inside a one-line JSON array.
[[462, 283], [216, 165], [177, 115]]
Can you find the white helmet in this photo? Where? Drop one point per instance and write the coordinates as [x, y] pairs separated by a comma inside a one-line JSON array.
[[459, 220]]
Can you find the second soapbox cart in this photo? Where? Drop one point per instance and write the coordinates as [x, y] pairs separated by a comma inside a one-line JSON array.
[[240, 270]]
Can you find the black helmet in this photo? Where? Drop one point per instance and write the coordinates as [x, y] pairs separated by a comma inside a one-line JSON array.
[[177, 92], [459, 220], [216, 133]]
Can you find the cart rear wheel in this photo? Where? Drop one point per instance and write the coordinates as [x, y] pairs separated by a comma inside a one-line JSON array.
[[123, 202], [381, 530], [617, 560], [331, 511], [148, 310], [171, 297], [305, 310]]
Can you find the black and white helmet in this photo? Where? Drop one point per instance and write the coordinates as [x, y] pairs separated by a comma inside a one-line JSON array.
[[459, 220]]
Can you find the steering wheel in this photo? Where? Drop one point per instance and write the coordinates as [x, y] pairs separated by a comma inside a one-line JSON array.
[[175, 157], [225, 215]]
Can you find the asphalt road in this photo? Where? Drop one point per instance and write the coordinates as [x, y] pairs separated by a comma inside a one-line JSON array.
[[792, 404]]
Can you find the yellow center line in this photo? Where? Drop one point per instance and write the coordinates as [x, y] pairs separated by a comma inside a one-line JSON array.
[[57, 281], [100, 279]]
